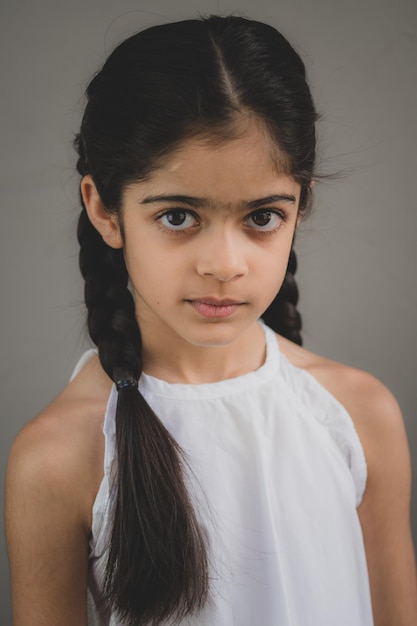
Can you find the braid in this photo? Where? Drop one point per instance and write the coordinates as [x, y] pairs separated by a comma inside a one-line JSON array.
[[282, 315], [110, 305], [157, 565]]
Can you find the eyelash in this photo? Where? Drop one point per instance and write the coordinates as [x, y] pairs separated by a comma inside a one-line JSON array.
[[280, 215], [273, 213], [171, 229]]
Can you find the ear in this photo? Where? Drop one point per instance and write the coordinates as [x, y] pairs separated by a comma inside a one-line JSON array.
[[107, 224]]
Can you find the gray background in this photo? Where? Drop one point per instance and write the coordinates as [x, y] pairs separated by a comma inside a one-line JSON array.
[[357, 253]]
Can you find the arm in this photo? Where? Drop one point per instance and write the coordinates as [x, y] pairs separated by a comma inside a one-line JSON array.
[[47, 529], [385, 510]]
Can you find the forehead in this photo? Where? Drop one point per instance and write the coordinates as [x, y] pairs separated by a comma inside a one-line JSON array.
[[247, 136], [205, 166]]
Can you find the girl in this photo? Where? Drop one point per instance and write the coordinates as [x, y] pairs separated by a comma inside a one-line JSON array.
[[199, 468]]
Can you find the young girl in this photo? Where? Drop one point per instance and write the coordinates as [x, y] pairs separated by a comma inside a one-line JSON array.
[[200, 469]]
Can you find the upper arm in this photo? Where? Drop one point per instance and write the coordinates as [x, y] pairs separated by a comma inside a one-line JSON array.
[[46, 530], [385, 510]]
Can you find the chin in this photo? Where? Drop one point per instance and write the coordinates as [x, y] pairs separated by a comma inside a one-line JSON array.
[[215, 335]]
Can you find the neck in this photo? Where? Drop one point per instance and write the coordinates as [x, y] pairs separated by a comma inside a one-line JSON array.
[[171, 358]]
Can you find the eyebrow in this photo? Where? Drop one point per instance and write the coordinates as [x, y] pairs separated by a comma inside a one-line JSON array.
[[282, 197], [200, 203]]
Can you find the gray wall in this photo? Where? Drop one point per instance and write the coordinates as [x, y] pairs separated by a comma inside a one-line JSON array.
[[357, 253]]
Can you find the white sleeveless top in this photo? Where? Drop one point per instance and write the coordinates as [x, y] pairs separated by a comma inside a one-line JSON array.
[[280, 472]]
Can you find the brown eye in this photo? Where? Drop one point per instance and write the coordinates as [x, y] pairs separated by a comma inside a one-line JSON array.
[[178, 220], [262, 218], [266, 221]]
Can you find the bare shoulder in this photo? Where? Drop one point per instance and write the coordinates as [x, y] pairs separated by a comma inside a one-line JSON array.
[[371, 405], [60, 449], [54, 471]]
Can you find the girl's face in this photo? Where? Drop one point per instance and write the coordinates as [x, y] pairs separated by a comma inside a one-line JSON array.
[[207, 240]]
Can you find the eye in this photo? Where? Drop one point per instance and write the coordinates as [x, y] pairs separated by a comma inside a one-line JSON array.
[[265, 219], [177, 219]]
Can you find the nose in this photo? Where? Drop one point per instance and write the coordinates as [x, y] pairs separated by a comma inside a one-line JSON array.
[[222, 255]]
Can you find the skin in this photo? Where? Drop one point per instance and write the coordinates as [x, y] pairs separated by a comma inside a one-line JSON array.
[[223, 250]]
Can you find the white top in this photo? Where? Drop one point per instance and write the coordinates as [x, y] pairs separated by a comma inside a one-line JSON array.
[[281, 471]]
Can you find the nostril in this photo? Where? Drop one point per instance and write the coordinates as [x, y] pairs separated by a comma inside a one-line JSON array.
[[223, 272]]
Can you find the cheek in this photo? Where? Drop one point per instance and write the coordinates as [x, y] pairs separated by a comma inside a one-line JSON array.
[[275, 268], [151, 274]]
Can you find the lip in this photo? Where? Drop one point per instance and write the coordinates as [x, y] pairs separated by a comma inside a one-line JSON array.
[[214, 308], [215, 301]]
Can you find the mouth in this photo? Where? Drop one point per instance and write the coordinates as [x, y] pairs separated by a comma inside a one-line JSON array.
[[216, 301], [215, 308]]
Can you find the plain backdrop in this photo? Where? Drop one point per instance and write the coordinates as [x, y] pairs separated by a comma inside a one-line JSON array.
[[357, 253]]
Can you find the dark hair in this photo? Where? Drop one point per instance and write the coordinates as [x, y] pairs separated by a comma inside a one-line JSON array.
[[158, 88]]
